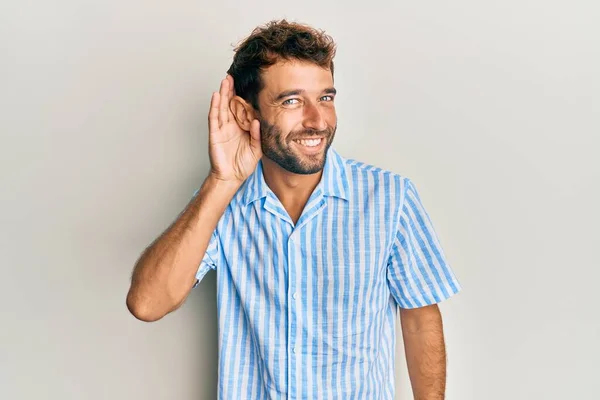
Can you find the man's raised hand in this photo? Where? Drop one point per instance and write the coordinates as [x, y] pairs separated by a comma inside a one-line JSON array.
[[233, 151]]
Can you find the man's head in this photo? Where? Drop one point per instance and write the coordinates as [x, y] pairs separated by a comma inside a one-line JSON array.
[[283, 76]]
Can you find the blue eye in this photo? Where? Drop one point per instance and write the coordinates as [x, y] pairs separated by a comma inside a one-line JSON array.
[[330, 98], [288, 101]]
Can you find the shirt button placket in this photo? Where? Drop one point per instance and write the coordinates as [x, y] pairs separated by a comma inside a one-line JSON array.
[[292, 316]]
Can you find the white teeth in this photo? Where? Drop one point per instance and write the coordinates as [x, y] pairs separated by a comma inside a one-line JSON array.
[[309, 143]]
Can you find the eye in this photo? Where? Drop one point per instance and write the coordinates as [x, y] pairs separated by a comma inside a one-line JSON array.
[[289, 102], [327, 98]]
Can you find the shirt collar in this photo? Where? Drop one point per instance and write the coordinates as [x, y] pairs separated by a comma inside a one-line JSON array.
[[333, 181]]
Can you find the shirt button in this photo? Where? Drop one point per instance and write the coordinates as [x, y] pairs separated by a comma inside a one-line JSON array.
[[294, 349], [295, 295]]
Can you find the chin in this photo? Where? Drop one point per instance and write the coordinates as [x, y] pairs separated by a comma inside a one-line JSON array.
[[297, 162], [308, 171], [306, 165]]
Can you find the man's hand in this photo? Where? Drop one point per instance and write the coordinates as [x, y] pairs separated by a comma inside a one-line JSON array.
[[233, 152]]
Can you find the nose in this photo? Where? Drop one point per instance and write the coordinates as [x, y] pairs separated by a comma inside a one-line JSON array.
[[313, 118]]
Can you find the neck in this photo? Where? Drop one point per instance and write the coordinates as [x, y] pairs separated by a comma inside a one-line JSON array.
[[293, 190]]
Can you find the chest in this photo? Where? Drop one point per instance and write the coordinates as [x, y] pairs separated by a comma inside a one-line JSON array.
[[337, 249]]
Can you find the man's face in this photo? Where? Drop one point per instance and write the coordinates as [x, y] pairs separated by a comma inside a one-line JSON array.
[[297, 115]]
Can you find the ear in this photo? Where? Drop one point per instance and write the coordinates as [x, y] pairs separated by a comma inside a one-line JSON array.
[[243, 112]]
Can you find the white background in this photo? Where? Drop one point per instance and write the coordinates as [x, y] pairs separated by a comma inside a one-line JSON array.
[[491, 108]]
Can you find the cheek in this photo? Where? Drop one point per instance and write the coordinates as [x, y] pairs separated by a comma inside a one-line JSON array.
[[331, 117], [288, 123]]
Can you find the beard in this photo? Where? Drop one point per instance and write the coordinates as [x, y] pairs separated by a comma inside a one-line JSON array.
[[279, 149]]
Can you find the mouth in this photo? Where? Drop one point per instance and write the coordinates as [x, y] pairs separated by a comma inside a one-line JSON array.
[[310, 146]]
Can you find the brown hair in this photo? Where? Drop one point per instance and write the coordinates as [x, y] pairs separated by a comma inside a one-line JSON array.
[[273, 42]]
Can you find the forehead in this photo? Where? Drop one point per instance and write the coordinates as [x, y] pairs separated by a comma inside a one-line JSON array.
[[295, 75]]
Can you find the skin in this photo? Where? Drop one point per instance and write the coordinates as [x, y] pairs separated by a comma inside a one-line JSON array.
[[423, 336]]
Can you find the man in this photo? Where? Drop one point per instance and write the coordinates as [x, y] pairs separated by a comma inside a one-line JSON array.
[[314, 253]]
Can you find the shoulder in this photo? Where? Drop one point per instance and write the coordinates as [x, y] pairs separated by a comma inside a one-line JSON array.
[[383, 187], [392, 180]]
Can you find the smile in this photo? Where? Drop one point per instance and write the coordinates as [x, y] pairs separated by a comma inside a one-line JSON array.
[[309, 142]]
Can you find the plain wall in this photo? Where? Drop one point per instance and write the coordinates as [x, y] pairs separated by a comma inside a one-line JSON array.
[[491, 108]]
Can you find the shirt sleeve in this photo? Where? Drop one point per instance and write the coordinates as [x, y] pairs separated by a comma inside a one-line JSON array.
[[211, 256], [210, 259], [418, 272]]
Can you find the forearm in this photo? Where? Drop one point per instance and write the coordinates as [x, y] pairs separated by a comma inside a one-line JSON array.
[[165, 272], [426, 357]]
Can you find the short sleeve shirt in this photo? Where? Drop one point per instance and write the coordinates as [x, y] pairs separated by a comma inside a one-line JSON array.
[[307, 310]]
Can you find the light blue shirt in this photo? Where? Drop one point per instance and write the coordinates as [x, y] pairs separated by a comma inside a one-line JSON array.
[[307, 310]]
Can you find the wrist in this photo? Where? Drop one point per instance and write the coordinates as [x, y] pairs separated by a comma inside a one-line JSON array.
[[228, 187]]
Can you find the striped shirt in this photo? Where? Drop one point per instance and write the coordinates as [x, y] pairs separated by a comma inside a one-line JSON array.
[[308, 310]]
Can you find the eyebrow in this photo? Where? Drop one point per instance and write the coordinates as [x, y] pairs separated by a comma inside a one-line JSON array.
[[295, 92]]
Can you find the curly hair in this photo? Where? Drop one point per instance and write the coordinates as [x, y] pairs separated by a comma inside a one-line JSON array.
[[273, 42]]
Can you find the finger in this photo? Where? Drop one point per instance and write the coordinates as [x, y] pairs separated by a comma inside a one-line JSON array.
[[213, 114], [224, 106], [231, 86], [255, 135], [231, 96]]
